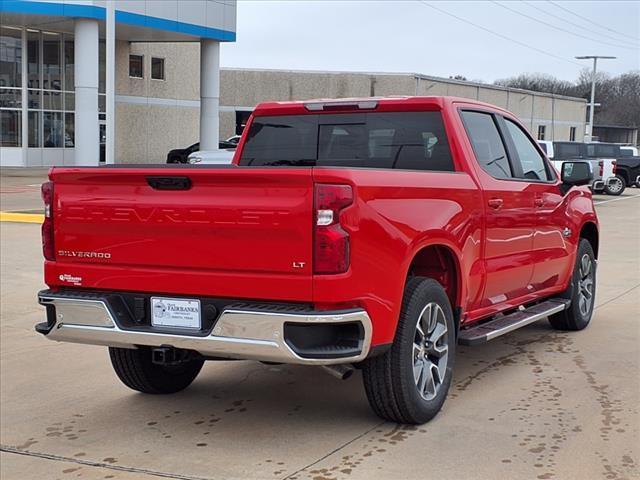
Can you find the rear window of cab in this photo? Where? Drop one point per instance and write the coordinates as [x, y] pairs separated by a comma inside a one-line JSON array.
[[397, 140]]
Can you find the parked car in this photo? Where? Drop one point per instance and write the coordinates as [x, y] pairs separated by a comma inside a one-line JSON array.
[[547, 148], [231, 142], [181, 155], [628, 168], [211, 157], [375, 233], [602, 156], [628, 151]]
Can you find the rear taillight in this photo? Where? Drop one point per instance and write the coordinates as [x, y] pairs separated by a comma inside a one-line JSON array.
[[601, 165], [47, 225], [331, 242], [615, 165]]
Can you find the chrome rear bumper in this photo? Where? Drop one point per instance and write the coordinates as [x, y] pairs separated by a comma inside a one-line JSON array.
[[239, 333]]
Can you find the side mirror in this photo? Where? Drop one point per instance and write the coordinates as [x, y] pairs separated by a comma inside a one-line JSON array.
[[576, 173]]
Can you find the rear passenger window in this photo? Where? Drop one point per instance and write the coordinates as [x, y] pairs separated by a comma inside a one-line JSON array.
[[399, 140], [487, 144], [531, 162]]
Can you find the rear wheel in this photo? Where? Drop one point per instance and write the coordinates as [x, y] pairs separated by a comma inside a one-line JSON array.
[[136, 370], [615, 186], [581, 292], [409, 383]]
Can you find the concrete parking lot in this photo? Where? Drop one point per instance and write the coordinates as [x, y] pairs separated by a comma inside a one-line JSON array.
[[535, 404]]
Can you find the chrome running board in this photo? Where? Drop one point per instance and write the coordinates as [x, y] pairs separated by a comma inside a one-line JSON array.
[[497, 327]]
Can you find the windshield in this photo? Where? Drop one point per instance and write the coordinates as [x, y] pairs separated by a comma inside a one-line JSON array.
[[401, 140]]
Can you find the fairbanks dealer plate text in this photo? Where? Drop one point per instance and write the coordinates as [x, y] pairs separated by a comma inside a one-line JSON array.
[[175, 312]]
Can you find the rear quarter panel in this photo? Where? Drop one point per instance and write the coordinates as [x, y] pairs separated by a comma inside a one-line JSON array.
[[397, 213]]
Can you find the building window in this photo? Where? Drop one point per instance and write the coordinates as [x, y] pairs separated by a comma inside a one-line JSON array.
[[157, 68], [34, 129], [33, 59], [51, 61], [49, 58], [542, 130], [136, 64], [572, 134], [10, 57], [69, 130], [10, 128]]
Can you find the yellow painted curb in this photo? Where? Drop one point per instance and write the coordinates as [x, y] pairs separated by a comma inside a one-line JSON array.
[[21, 217]]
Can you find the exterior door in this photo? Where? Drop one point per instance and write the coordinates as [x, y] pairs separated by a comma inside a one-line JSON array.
[[550, 246], [510, 213]]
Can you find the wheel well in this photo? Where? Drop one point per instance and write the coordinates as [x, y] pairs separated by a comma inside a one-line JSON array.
[[624, 174], [590, 233], [440, 263]]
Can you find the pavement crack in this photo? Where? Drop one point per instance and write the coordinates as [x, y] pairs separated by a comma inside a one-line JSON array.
[[616, 297], [346, 444], [89, 463]]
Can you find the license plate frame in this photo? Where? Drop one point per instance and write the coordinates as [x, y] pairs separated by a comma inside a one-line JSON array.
[[178, 313]]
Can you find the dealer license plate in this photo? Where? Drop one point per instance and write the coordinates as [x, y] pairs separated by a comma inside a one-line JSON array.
[[175, 312]]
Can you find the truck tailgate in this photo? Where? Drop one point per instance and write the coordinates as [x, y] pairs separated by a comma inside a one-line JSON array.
[[234, 230]]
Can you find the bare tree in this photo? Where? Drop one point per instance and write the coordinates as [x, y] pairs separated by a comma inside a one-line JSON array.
[[619, 97]]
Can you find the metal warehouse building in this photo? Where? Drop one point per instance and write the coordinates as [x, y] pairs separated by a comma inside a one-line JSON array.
[[52, 83]]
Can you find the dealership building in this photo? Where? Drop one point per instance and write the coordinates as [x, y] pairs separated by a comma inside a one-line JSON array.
[[169, 91]]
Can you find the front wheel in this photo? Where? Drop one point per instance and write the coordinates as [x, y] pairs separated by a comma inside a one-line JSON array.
[[581, 292], [615, 185], [409, 383], [137, 371]]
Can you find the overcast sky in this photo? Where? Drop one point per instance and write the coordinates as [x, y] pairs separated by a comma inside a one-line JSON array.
[[414, 36]]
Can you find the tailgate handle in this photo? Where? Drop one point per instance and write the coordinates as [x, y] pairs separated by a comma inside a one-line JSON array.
[[169, 183]]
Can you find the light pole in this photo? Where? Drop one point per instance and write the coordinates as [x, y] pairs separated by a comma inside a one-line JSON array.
[[592, 106]]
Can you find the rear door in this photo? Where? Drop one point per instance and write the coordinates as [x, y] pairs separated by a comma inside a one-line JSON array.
[[510, 215], [550, 251]]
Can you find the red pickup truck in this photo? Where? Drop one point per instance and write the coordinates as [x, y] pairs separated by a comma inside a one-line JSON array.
[[372, 233]]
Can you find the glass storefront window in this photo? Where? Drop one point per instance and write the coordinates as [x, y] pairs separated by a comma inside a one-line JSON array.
[[34, 129], [70, 101], [51, 91], [51, 100], [68, 64], [69, 130], [53, 129], [10, 98], [10, 128], [34, 99], [33, 59], [102, 62], [51, 61], [10, 57]]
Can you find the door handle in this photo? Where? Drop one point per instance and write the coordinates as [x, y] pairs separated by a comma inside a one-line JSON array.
[[169, 183], [495, 203], [538, 201]]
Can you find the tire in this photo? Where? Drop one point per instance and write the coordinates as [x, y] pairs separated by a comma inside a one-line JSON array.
[[616, 187], [409, 382], [581, 292], [136, 370]]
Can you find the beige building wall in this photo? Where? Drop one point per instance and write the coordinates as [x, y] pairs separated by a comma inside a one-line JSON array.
[[155, 116]]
